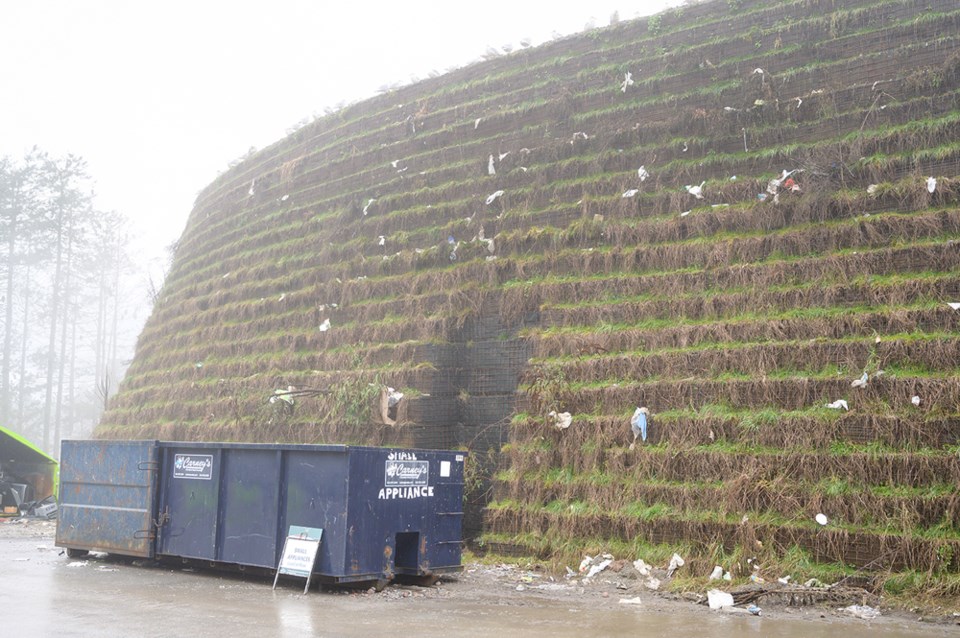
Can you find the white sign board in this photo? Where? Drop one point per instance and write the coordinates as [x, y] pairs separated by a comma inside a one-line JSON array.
[[298, 556]]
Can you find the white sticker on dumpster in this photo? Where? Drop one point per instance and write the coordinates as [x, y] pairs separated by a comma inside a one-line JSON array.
[[193, 466], [444, 469]]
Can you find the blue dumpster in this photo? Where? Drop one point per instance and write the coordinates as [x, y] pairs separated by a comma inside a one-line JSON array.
[[384, 512]]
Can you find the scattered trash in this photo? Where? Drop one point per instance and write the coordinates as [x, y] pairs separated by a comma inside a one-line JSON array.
[[815, 582], [252, 190], [757, 70], [638, 424], [627, 81], [719, 599], [799, 101], [503, 155], [520, 588], [872, 189], [861, 382], [284, 198], [283, 395], [754, 610], [642, 173], [696, 191], [676, 562], [561, 420], [476, 123], [585, 563], [864, 612], [821, 519], [653, 584], [785, 580], [756, 579], [642, 568], [599, 567], [492, 198], [490, 168], [931, 184], [684, 213], [727, 577], [759, 102], [915, 400], [630, 193], [78, 563], [381, 240], [579, 135], [953, 304], [717, 573], [325, 325], [839, 403], [631, 601], [367, 207]]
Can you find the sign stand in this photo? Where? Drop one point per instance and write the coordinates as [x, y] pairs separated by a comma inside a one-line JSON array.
[[299, 554]]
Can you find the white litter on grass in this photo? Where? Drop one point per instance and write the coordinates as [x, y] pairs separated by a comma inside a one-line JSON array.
[[684, 213], [641, 567], [503, 155], [381, 240], [579, 135], [325, 325], [652, 584], [596, 569], [861, 382], [78, 563], [915, 400], [561, 420], [627, 81], [252, 188], [821, 519], [585, 563], [872, 189], [757, 70], [953, 304], [367, 207], [717, 573], [492, 198], [676, 562], [784, 580], [631, 601], [394, 163], [864, 612], [476, 123], [931, 184], [839, 403], [642, 173], [719, 599], [491, 170], [630, 193], [284, 198], [696, 191], [799, 101]]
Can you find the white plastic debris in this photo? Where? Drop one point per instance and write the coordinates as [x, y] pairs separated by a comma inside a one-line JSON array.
[[585, 563], [642, 173], [599, 567], [381, 241], [684, 213], [757, 71], [676, 562], [754, 610], [393, 397], [631, 601], [872, 189], [503, 155], [931, 184], [727, 577], [476, 123], [325, 325], [252, 190], [78, 563], [492, 198], [491, 170], [561, 420], [641, 567], [821, 519], [785, 580], [695, 190], [719, 599], [652, 584], [627, 81], [284, 198], [717, 573], [861, 382], [915, 400], [953, 304], [638, 424], [839, 403], [367, 207], [864, 612], [630, 193]]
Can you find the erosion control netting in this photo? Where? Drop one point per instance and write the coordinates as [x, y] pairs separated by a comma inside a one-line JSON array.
[[513, 257]]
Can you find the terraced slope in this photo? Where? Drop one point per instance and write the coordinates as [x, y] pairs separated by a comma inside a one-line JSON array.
[[523, 236]]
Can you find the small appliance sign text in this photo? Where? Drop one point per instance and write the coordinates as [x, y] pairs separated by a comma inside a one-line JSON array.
[[193, 466]]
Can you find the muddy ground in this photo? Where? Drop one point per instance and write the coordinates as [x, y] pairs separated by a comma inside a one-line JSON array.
[[43, 592]]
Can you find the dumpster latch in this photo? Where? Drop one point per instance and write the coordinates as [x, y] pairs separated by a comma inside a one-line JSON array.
[[148, 466]]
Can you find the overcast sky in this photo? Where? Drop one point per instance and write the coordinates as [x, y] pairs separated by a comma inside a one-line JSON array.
[[160, 97]]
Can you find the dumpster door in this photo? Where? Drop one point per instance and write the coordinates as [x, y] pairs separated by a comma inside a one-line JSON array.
[[107, 496]]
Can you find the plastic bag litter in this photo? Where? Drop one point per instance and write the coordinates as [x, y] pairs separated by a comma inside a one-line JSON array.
[[599, 567], [78, 563], [717, 599], [561, 420], [839, 403], [652, 584], [821, 519], [915, 400], [642, 173], [252, 190], [931, 184], [642, 568], [630, 193], [631, 601], [864, 612], [757, 70], [754, 610], [393, 397], [503, 155], [381, 241], [684, 213], [953, 304], [579, 135], [695, 190], [367, 207], [492, 198], [676, 562], [490, 168], [325, 325], [476, 123], [717, 573], [638, 423], [627, 81], [861, 382], [871, 189], [585, 563], [785, 580]]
